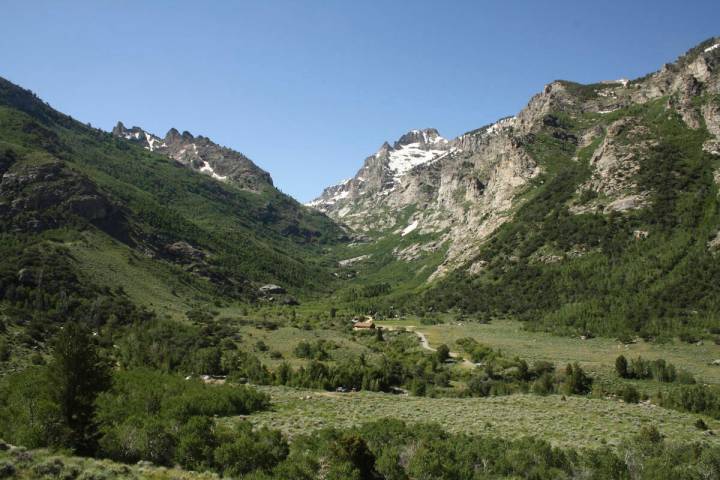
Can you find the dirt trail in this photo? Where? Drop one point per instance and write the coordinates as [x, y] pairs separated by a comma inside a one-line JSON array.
[[426, 345], [424, 341]]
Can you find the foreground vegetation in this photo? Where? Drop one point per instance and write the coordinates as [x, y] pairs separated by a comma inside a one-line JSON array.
[[168, 416], [392, 449], [562, 421]]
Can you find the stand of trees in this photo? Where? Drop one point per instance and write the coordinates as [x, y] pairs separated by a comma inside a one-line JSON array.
[[660, 370]]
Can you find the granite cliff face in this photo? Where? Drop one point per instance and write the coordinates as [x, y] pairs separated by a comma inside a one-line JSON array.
[[456, 193], [202, 155]]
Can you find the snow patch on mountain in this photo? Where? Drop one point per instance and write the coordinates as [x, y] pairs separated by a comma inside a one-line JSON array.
[[207, 169], [429, 138], [336, 193], [153, 142], [383, 171], [409, 229], [407, 157], [130, 135], [500, 125]]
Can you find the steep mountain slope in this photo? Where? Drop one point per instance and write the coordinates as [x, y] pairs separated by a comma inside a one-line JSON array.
[[464, 189], [593, 209], [452, 192], [86, 215]]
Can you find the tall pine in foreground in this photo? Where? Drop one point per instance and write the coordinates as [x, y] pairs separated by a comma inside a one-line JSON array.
[[76, 375]]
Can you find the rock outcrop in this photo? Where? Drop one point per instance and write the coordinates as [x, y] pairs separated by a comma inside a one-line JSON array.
[[45, 195]]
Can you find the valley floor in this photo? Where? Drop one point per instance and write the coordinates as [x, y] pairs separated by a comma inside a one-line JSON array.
[[570, 421], [594, 354]]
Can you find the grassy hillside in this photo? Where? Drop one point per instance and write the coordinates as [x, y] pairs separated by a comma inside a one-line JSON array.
[[96, 228], [246, 236]]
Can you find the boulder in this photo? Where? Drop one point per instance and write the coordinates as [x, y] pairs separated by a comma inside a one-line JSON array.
[[271, 289], [184, 251], [26, 276], [290, 300]]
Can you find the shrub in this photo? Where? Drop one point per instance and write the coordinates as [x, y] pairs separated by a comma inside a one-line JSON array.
[[5, 350], [659, 370], [7, 470], [140, 415], [576, 381], [442, 353], [544, 385], [195, 443], [315, 351], [621, 366], [693, 398], [630, 394], [242, 450], [650, 434]]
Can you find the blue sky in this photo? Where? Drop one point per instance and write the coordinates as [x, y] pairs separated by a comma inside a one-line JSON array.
[[308, 89]]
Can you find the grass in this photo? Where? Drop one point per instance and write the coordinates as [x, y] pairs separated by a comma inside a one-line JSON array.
[[285, 339], [596, 354], [18, 463], [153, 284], [575, 421]]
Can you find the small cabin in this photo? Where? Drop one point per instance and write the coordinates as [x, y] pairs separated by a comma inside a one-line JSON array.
[[366, 323]]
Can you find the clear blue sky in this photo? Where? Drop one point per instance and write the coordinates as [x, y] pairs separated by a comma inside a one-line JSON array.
[[308, 89]]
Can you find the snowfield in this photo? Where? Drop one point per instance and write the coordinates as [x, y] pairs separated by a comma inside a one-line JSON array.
[[410, 156]]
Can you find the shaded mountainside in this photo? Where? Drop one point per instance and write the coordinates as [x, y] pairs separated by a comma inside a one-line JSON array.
[[594, 209], [85, 214]]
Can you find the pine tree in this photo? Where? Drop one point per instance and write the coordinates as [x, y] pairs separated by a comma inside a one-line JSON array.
[[442, 353], [379, 334], [621, 366], [77, 375]]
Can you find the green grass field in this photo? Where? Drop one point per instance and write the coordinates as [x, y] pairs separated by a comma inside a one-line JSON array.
[[285, 339], [596, 354], [575, 421]]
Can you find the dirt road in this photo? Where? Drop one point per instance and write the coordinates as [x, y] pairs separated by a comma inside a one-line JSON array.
[[426, 345]]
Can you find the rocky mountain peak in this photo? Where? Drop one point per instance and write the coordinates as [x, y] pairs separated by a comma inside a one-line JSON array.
[[425, 137], [200, 154], [172, 135], [383, 171], [117, 129]]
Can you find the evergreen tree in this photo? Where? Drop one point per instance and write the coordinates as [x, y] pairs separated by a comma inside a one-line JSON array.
[[76, 375], [442, 353], [379, 334], [576, 381], [621, 366]]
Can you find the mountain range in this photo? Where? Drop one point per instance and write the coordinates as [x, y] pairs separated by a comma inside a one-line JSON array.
[[594, 208], [462, 190]]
